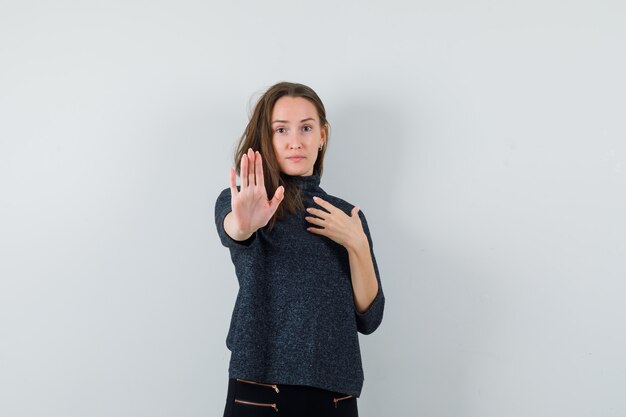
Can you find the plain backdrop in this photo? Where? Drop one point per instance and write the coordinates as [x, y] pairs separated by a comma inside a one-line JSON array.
[[485, 141]]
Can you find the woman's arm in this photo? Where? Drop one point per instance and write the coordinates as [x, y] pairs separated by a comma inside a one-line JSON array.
[[232, 229], [348, 231], [364, 283]]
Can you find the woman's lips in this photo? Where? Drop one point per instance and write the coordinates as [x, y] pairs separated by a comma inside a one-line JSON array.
[[296, 158]]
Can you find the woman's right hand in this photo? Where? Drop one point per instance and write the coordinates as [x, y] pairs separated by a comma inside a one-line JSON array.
[[251, 209]]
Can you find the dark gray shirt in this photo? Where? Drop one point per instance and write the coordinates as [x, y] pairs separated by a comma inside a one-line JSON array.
[[294, 319]]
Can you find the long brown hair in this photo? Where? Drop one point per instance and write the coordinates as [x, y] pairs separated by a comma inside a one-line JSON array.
[[258, 136]]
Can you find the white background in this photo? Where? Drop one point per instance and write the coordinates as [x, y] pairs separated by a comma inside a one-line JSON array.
[[485, 141]]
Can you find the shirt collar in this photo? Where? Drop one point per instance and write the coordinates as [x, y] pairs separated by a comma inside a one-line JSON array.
[[304, 182]]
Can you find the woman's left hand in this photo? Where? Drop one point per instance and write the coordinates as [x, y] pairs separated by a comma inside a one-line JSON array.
[[337, 225]]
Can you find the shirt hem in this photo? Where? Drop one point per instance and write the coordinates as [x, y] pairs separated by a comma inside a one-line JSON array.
[[344, 385]]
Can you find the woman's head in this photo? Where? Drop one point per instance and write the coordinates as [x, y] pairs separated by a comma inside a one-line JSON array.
[[297, 135], [288, 121]]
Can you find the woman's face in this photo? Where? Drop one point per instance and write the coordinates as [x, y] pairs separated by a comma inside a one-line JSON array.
[[297, 135]]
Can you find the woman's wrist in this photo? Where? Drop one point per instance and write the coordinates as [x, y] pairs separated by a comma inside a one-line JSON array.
[[358, 244], [233, 229]]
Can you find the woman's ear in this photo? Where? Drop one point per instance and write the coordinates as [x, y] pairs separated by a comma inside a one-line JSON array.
[[324, 134]]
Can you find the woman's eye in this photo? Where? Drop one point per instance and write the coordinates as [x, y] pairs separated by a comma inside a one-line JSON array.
[[307, 128], [280, 130]]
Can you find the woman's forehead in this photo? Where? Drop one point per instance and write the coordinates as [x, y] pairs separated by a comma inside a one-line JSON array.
[[293, 110]]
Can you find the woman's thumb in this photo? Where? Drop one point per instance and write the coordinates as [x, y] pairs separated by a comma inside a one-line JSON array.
[[279, 194]]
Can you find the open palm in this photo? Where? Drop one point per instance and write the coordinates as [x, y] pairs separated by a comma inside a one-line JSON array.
[[251, 208]]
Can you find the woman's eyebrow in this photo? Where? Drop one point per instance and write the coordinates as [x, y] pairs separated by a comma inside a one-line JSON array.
[[287, 121]]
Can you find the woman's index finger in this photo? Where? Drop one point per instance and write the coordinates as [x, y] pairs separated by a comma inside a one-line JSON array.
[[325, 204]]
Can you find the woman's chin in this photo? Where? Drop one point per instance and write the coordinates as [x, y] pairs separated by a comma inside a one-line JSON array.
[[297, 171]]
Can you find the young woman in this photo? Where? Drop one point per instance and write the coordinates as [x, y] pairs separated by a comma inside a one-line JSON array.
[[308, 279]]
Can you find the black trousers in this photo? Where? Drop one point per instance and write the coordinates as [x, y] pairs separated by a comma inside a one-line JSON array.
[[251, 398]]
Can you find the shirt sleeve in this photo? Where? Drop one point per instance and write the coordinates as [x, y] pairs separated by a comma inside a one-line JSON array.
[[222, 208], [368, 321]]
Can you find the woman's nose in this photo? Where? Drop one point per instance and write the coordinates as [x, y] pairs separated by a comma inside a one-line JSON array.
[[295, 142]]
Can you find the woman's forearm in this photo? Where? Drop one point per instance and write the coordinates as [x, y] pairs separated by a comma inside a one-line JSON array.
[[364, 283]]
